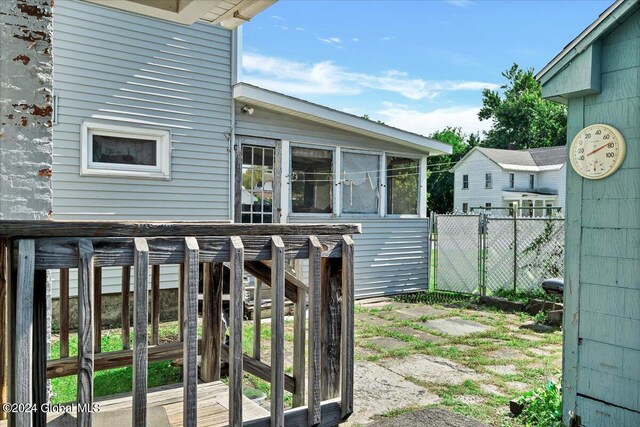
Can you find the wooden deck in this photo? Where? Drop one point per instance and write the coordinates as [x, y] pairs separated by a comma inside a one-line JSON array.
[[166, 402]]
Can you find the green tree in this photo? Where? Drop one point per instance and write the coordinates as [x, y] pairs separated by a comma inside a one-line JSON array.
[[440, 180], [520, 116]]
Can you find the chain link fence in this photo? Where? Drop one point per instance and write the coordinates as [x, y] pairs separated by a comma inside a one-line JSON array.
[[481, 254]]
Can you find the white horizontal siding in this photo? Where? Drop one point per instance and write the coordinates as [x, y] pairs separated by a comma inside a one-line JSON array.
[[476, 165], [390, 255], [114, 67]]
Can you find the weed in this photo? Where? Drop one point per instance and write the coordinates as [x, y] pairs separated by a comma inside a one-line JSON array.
[[543, 406]]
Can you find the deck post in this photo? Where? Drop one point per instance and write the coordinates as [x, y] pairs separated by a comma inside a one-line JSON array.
[[5, 330], [124, 310], [23, 350], [85, 331], [346, 352], [140, 319], [190, 332], [40, 346], [331, 327], [277, 331], [315, 356], [235, 343]]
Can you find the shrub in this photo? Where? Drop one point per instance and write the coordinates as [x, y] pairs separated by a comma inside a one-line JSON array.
[[542, 407]]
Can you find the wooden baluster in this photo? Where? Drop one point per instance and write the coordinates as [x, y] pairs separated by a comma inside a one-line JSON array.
[[331, 321], [40, 346], [23, 348], [257, 319], [315, 356], [64, 312], [190, 332], [235, 343], [124, 310], [346, 352], [277, 332], [217, 331], [299, 359], [155, 305], [208, 351], [180, 301], [140, 319], [85, 330], [97, 309]]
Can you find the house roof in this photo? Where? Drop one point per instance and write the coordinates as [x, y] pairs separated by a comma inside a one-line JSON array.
[[606, 22], [258, 97], [531, 160]]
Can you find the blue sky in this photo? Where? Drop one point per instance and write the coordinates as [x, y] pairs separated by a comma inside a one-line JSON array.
[[418, 65]]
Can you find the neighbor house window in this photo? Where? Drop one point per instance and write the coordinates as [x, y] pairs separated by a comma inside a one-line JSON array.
[[465, 182], [512, 180], [257, 184], [360, 183], [125, 151], [487, 205], [488, 180], [403, 177], [311, 180], [532, 181], [465, 207]]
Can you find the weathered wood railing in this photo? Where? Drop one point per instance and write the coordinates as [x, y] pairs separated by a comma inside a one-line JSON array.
[[258, 249]]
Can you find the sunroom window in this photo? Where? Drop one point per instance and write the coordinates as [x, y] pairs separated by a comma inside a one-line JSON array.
[[311, 180], [360, 183], [403, 176], [124, 151]]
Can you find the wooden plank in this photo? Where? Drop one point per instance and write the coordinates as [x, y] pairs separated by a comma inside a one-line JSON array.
[[315, 357], [155, 304], [117, 251], [330, 412], [140, 318], [97, 309], [78, 229], [262, 272], [260, 369], [5, 330], [299, 343], [85, 330], [124, 309], [190, 332], [331, 325], [40, 346], [235, 343], [64, 312], [573, 237], [347, 333], [217, 331], [277, 332], [181, 278], [23, 348], [257, 319], [208, 351]]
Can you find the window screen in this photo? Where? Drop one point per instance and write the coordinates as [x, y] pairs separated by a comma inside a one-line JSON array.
[[360, 183], [311, 180], [402, 185]]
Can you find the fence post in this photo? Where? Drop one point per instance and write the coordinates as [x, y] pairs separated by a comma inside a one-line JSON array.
[[515, 247], [481, 253], [429, 249]]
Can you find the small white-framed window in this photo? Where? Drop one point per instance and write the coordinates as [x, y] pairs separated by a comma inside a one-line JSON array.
[[465, 207], [532, 181], [465, 182], [360, 179], [125, 151], [488, 181], [512, 180]]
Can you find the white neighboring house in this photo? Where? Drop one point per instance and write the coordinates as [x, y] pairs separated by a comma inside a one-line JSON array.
[[494, 178]]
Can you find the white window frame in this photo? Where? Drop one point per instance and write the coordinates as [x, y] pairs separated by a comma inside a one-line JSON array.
[[467, 176], [488, 181], [532, 181], [381, 189], [422, 176], [162, 169], [512, 180], [335, 197]]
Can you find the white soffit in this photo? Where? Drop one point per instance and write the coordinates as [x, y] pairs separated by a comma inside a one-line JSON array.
[[274, 101]]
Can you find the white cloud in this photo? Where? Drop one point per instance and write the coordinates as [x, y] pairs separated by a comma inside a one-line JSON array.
[[299, 29], [459, 3], [386, 38], [325, 77], [279, 18], [330, 40], [355, 39], [427, 122]]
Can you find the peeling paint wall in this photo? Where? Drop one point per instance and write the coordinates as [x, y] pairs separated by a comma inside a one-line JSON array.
[[25, 109]]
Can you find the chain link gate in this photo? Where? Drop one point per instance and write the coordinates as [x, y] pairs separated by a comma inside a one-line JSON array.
[[482, 254], [458, 253]]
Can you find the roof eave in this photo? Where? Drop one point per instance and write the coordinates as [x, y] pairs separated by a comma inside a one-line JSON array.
[[293, 106]]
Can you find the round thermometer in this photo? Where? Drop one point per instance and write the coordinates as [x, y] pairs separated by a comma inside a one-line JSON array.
[[597, 151]]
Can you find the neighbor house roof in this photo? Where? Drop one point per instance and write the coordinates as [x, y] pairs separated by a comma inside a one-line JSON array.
[[531, 160], [606, 22], [258, 97]]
